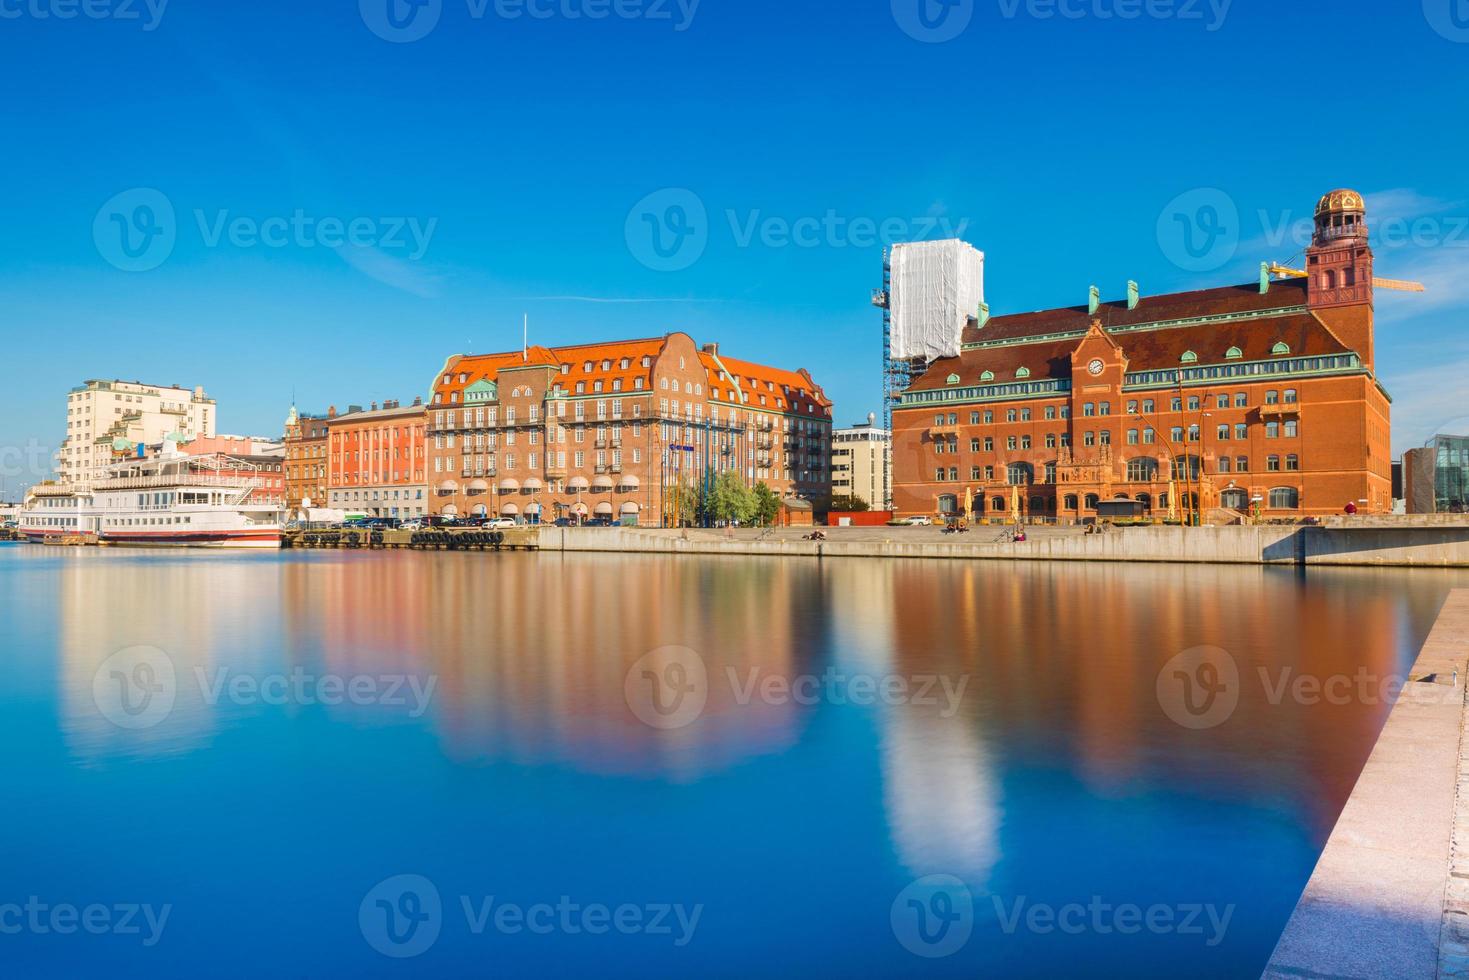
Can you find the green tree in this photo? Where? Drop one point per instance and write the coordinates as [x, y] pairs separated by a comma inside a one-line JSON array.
[[767, 504], [689, 499], [730, 500], [849, 502]]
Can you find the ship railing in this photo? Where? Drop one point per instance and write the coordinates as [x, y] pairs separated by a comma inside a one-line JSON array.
[[179, 480]]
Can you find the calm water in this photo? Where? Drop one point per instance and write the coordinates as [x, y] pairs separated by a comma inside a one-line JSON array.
[[215, 772]]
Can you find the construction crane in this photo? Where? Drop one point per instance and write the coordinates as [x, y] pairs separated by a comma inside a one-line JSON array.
[[1402, 285]]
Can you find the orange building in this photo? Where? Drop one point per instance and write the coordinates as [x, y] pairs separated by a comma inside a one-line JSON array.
[[377, 460], [1259, 399], [306, 440], [610, 430]]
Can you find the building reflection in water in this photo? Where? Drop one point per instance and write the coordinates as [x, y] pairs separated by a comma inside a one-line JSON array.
[[530, 654]]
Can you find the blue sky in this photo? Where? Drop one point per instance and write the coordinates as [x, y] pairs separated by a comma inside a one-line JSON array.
[[500, 165]]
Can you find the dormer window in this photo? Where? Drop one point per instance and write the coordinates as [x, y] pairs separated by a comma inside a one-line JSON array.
[[1233, 354], [1023, 373], [1280, 348], [952, 379], [1188, 357], [987, 376]]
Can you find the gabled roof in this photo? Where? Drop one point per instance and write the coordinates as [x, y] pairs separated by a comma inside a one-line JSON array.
[[800, 393], [1145, 350]]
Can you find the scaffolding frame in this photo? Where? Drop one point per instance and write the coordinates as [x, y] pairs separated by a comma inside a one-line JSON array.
[[897, 373]]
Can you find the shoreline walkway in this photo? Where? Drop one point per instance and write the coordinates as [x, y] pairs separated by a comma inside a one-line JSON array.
[[1390, 893]]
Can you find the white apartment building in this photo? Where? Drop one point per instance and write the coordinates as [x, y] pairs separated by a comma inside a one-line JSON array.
[[861, 463], [107, 417]]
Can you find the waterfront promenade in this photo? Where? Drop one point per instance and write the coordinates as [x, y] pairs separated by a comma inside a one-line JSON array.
[[1390, 893], [1427, 546]]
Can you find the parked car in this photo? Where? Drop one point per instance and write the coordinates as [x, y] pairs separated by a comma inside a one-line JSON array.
[[417, 524], [600, 522], [566, 522], [922, 520], [500, 522]]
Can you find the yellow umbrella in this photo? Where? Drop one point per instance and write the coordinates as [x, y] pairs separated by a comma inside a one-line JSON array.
[[968, 504], [1172, 500], [1015, 503]]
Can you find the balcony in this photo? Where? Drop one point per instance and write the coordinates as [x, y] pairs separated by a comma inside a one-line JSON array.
[[1289, 410]]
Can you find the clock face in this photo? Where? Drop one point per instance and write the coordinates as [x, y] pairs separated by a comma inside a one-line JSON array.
[[1095, 367]]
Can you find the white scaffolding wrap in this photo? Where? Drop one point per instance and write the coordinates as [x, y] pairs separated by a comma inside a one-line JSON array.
[[936, 287]]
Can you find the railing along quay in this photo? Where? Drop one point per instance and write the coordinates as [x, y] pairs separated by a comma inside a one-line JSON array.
[[428, 539]]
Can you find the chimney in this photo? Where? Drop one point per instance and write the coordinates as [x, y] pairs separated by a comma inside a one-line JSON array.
[[1132, 295], [711, 349], [417, 401], [374, 406], [331, 413]]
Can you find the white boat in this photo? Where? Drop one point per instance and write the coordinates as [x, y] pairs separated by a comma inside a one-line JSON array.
[[210, 501]]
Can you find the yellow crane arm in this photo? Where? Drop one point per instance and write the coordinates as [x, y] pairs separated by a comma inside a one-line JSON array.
[[1402, 285]]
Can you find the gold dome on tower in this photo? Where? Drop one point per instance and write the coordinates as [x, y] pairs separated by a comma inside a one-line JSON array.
[[1339, 202]]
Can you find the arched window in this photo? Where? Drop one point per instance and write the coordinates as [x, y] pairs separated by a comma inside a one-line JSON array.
[[978, 503], [1020, 474], [1023, 373], [1143, 469], [1188, 357], [953, 379], [1285, 498], [1037, 505], [1091, 501], [987, 376], [1234, 499], [1290, 396], [1146, 499], [1070, 501], [1234, 354], [1280, 348], [1330, 278], [1349, 276], [997, 504], [948, 503]]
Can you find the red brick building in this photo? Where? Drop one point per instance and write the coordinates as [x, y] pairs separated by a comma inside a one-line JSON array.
[[377, 460], [611, 430], [306, 441], [1259, 398]]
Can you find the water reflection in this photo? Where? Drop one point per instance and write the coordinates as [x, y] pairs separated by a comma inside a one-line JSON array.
[[531, 654]]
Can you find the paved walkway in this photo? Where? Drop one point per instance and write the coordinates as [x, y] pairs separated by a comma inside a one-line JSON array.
[[1382, 901]]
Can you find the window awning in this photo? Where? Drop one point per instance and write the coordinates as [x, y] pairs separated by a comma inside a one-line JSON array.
[[631, 483], [449, 486], [630, 508], [604, 508], [451, 511], [509, 510], [478, 486], [577, 483], [602, 483], [509, 486], [533, 484]]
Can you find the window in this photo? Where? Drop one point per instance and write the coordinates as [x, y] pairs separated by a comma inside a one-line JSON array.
[[1175, 434], [1223, 464], [1292, 462], [989, 444], [973, 418], [1132, 437], [1221, 401], [1010, 415], [1241, 430], [1278, 350], [1241, 400], [1132, 408], [1188, 357], [1020, 474], [1088, 410], [974, 445], [1010, 442], [1272, 397], [1106, 437], [1272, 464], [1290, 396], [1051, 412], [1234, 354], [989, 418], [1143, 469], [1272, 430], [1088, 438], [1176, 404], [1223, 432], [1050, 440], [1291, 428], [1149, 437], [1242, 464], [1284, 498], [1148, 406]]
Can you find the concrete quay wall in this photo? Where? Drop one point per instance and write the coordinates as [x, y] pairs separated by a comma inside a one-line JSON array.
[[1437, 547]]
